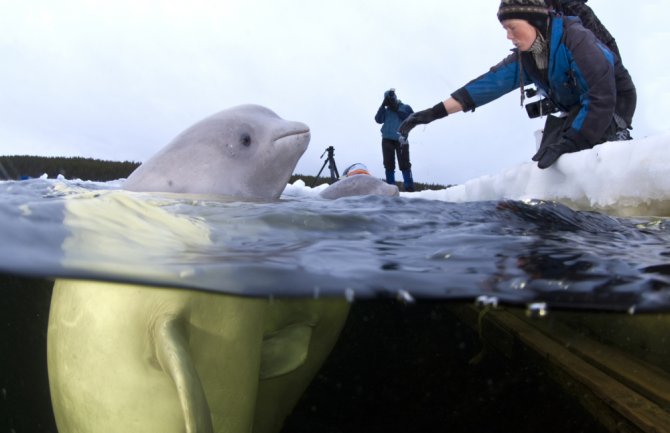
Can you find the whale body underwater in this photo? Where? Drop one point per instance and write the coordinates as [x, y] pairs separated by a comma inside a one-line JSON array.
[[125, 357]]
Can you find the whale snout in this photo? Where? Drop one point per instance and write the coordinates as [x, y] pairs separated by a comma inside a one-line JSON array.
[[295, 134]]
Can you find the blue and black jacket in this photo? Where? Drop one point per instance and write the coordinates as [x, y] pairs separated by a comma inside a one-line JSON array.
[[391, 120], [583, 78]]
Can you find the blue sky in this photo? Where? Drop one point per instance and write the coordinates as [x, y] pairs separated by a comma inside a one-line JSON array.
[[118, 80]]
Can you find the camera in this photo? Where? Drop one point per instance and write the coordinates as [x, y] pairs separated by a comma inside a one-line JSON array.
[[541, 108], [530, 92]]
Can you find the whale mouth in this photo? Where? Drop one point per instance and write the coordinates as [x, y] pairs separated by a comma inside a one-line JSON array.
[[300, 135]]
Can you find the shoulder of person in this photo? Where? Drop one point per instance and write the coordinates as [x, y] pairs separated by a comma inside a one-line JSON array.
[[512, 59], [575, 32]]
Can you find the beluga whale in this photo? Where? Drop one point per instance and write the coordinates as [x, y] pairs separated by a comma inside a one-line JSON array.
[[245, 151], [357, 181], [125, 357]]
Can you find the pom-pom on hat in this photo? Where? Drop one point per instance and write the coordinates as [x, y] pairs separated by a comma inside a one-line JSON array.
[[535, 12]]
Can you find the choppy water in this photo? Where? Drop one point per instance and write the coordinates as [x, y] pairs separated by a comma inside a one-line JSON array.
[[358, 247]]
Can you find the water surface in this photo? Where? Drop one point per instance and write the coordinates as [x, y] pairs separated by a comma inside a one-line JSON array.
[[358, 247]]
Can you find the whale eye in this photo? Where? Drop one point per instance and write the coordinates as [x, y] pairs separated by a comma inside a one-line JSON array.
[[245, 140]]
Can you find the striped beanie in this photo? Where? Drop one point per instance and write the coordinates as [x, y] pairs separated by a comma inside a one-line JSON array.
[[535, 12]]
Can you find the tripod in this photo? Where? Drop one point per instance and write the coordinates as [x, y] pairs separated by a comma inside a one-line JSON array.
[[334, 175]]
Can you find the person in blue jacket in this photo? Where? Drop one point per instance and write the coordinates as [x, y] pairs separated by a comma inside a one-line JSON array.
[[576, 73], [390, 114]]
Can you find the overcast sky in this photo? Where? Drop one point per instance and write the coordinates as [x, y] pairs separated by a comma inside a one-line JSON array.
[[118, 80]]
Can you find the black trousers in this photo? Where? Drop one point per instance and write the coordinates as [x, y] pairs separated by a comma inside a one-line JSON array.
[[391, 149]]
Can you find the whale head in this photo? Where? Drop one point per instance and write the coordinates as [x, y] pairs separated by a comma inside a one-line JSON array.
[[245, 151]]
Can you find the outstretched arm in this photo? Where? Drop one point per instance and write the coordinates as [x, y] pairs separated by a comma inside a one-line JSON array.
[[440, 110]]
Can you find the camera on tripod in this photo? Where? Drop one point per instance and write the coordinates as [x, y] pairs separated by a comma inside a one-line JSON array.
[[539, 108], [330, 161]]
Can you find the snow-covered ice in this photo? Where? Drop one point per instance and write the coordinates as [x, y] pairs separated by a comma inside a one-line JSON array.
[[625, 178]]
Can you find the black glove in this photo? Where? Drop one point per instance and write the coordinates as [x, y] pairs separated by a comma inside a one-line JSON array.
[[549, 153], [421, 118], [404, 146]]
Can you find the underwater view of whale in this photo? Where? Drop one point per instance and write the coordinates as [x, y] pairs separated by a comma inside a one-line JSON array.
[[124, 357]]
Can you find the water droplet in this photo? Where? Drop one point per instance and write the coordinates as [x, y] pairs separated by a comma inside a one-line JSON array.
[[349, 294], [404, 296], [486, 301], [631, 310], [537, 310], [518, 284], [186, 273]]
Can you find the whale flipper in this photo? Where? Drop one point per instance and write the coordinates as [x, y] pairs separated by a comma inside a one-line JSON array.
[[172, 352], [285, 350]]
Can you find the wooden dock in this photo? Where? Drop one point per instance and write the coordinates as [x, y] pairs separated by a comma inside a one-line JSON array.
[[623, 391]]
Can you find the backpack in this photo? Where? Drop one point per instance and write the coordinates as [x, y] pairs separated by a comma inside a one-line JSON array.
[[578, 8]]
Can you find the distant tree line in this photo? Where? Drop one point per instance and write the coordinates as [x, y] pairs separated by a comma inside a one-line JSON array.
[[23, 166]]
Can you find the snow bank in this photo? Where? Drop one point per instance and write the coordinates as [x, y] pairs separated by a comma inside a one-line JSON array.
[[625, 178]]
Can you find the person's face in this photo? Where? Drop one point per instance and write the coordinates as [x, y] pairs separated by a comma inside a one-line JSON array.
[[393, 100], [520, 32]]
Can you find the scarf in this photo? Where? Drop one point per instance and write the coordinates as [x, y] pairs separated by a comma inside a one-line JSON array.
[[540, 51]]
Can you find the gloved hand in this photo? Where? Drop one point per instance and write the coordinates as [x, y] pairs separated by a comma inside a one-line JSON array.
[[549, 153], [421, 118], [404, 146]]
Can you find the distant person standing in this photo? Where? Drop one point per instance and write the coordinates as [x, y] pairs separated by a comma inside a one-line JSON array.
[[390, 115]]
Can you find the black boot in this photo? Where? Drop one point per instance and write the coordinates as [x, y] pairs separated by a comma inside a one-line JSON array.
[[408, 181]]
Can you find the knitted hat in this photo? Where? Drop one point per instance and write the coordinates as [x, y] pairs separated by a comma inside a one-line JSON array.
[[533, 11], [357, 168]]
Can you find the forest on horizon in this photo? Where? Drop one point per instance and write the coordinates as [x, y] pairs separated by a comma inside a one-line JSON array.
[[17, 167]]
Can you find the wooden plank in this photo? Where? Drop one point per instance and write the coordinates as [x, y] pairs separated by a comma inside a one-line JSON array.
[[637, 374], [607, 389]]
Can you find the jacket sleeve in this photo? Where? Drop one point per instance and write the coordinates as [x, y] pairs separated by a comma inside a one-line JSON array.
[[381, 115], [592, 67], [498, 81]]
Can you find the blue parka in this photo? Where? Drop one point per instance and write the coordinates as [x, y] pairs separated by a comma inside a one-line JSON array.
[[391, 120], [583, 78]]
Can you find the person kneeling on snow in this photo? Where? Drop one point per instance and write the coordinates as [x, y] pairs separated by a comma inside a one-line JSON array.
[[576, 73]]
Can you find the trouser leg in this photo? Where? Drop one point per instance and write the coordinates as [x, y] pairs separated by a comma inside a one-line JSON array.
[[405, 167], [388, 152]]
